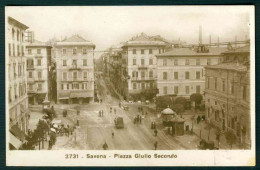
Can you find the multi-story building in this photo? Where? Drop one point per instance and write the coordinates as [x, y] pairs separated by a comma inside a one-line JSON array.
[[139, 66], [181, 71], [38, 71], [228, 94], [75, 70], [16, 79]]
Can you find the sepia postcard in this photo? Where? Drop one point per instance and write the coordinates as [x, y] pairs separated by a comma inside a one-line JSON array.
[[130, 85]]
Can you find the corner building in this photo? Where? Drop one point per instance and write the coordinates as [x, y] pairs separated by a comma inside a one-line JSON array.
[[228, 94], [16, 81], [75, 70], [139, 64]]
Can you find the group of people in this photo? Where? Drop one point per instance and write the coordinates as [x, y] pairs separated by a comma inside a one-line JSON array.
[[112, 110], [138, 119], [101, 113], [200, 118]]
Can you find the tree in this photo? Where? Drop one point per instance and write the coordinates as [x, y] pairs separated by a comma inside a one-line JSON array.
[[197, 98], [178, 108], [230, 138], [180, 100], [163, 102]]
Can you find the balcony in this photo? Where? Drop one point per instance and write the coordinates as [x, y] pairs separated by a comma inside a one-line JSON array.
[[74, 67], [30, 67], [143, 79], [39, 80], [142, 67]]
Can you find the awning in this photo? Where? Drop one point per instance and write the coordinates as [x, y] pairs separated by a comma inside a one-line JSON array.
[[18, 133], [63, 98], [81, 94], [14, 141]]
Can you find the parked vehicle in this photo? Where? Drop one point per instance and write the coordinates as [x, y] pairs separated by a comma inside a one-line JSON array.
[[119, 123]]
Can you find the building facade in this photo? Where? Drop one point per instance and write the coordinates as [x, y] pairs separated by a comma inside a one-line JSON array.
[[181, 71], [16, 78], [228, 94], [75, 70], [38, 71], [139, 66]]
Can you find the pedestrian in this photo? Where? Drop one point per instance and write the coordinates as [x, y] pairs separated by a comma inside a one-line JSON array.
[[140, 119], [154, 125], [113, 134], [99, 113], [137, 119], [198, 120], [105, 146], [155, 132], [155, 145]]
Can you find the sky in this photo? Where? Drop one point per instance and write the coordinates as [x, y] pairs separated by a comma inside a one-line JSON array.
[[107, 26]]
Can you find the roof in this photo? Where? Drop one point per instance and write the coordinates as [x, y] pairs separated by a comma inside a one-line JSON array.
[[17, 23], [75, 40], [192, 52], [244, 49], [168, 111], [146, 40], [37, 43], [228, 66]]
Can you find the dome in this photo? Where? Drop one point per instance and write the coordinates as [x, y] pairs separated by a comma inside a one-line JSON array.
[[168, 111]]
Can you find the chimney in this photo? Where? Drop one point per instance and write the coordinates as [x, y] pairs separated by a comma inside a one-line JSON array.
[[200, 35]]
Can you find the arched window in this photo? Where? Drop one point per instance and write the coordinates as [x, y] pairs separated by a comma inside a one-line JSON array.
[[18, 35], [13, 32]]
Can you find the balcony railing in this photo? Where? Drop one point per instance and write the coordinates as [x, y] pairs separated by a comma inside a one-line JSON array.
[[142, 67], [143, 79]]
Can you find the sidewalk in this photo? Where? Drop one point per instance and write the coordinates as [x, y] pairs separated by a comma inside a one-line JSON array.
[[201, 128]]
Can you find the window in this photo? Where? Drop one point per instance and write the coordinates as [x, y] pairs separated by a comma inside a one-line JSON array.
[[68, 86], [159, 51], [134, 85], [151, 85], [29, 51], [142, 75], [18, 35], [176, 75], [150, 51], [39, 62], [86, 86], [62, 87], [187, 90], [64, 63], [208, 61], [30, 87], [18, 50], [134, 61], [84, 51], [164, 62], [197, 61], [75, 75], [9, 48], [64, 51], [85, 62], [85, 75], [244, 92], [142, 62], [187, 75], [216, 82], [74, 63], [151, 61], [39, 75], [175, 62], [13, 32], [64, 76], [38, 51], [39, 86], [151, 74], [187, 62], [176, 89], [74, 51], [13, 50], [197, 74], [30, 74], [22, 48], [165, 90], [223, 85], [216, 115], [219, 60], [133, 74], [142, 51], [75, 86], [134, 51], [207, 82], [197, 89], [143, 85], [164, 75], [232, 88]]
